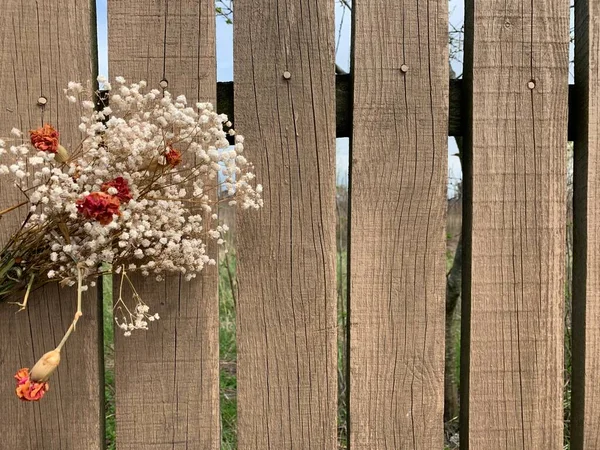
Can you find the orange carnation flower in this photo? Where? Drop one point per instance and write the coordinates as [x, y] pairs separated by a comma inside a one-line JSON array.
[[99, 206], [28, 390], [45, 139]]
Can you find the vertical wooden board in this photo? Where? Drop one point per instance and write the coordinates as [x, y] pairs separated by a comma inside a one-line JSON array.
[[45, 44], [286, 312], [398, 203], [516, 77], [585, 418], [167, 379]]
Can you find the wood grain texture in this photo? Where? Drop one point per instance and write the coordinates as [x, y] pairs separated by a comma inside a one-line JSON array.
[[585, 419], [44, 44], [287, 357], [516, 69], [398, 202], [167, 380]]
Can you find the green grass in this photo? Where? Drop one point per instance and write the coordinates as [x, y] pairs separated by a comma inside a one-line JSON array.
[[109, 371], [342, 272], [227, 353]]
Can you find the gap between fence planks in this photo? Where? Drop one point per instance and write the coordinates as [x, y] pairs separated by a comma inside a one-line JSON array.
[[286, 312], [516, 70], [585, 417], [398, 202], [45, 44], [167, 380]]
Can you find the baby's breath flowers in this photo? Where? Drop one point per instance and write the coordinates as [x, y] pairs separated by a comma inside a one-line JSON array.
[[137, 319], [137, 194]]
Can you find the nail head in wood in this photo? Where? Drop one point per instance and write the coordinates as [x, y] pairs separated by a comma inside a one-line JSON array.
[[163, 83], [531, 84], [41, 101], [404, 68], [287, 75]]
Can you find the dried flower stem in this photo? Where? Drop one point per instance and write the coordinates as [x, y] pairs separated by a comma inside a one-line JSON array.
[[7, 210], [23, 304], [78, 314], [119, 304]]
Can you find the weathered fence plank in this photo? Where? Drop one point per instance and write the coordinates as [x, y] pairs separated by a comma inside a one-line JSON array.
[[45, 44], [167, 380], [285, 107], [398, 202], [585, 418], [516, 68]]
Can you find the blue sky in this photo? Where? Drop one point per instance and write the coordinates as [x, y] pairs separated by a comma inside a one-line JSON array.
[[225, 67]]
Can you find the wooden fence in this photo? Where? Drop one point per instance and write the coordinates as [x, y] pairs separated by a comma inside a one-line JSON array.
[[513, 110]]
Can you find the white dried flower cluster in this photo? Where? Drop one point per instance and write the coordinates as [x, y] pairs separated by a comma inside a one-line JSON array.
[[137, 319], [140, 191]]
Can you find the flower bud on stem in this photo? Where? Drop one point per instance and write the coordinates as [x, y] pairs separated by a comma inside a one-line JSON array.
[[45, 366], [61, 155], [32, 385]]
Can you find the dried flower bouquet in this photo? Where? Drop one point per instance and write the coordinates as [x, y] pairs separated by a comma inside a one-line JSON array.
[[138, 194]]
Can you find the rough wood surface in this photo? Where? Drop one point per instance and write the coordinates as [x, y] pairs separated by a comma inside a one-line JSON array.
[[516, 70], [167, 380], [585, 419], [45, 44], [287, 355], [398, 191]]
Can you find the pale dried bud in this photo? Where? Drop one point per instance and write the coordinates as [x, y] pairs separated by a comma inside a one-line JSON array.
[[62, 155], [45, 366]]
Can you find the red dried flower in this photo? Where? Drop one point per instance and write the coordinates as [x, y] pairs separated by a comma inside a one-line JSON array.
[[45, 139], [28, 390], [99, 206], [173, 156], [122, 187]]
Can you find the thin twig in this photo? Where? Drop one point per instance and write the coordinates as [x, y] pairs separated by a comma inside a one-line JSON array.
[[7, 210]]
